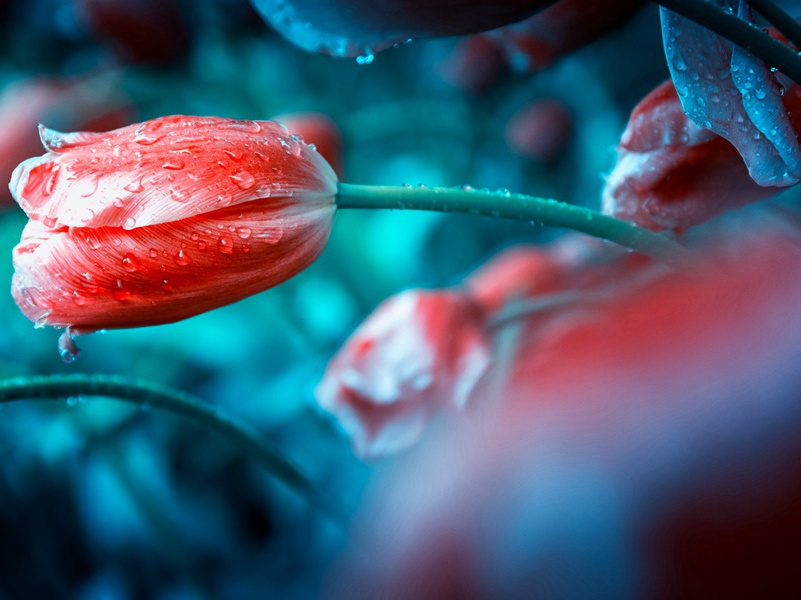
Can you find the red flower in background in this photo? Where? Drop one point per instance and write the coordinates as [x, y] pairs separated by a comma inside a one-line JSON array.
[[540, 131], [320, 131], [420, 352], [634, 442], [539, 41], [78, 104], [671, 173], [141, 30], [162, 220]]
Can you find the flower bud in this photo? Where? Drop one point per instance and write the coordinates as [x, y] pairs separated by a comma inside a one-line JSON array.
[[418, 353], [162, 220]]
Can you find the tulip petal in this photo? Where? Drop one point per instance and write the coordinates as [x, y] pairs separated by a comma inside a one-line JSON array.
[[166, 170], [108, 277]]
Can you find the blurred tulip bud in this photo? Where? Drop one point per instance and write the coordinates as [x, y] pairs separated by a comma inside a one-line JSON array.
[[540, 40], [475, 63], [320, 131], [419, 353], [540, 131], [162, 220], [79, 104], [141, 30], [671, 173], [584, 479], [518, 272]]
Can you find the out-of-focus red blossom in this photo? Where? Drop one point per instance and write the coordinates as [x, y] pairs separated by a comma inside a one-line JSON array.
[[25, 104], [671, 173], [162, 220], [141, 30], [539, 41], [319, 130], [519, 272], [474, 65], [636, 440], [420, 352], [540, 131]]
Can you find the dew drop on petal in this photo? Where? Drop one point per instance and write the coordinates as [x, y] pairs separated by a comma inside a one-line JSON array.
[[129, 223], [130, 263], [67, 347], [225, 245], [272, 235], [173, 165], [166, 285], [235, 154], [182, 259], [243, 232], [134, 186], [243, 180], [78, 299]]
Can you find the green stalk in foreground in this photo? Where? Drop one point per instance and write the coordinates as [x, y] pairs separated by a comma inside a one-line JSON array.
[[514, 206], [239, 434]]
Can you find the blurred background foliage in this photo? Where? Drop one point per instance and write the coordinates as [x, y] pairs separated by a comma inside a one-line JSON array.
[[102, 500]]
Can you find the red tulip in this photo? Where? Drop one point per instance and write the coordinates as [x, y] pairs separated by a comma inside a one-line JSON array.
[[419, 353], [162, 220], [540, 130], [646, 448], [519, 272], [672, 174]]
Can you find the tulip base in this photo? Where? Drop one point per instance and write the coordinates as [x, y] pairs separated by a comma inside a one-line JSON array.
[[503, 204]]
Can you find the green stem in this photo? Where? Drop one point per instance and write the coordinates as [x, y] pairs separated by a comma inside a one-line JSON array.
[[514, 206], [238, 433], [744, 34]]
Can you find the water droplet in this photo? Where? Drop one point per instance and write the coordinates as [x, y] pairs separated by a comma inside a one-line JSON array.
[[166, 285], [67, 347], [272, 235], [87, 215], [182, 259], [201, 245], [92, 242], [243, 232], [78, 299], [90, 187], [130, 263], [134, 186], [145, 138], [243, 179], [226, 245], [366, 58], [235, 154], [178, 195], [173, 164], [129, 223]]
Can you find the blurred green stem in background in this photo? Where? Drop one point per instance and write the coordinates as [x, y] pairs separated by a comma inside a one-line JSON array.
[[504, 204], [239, 434]]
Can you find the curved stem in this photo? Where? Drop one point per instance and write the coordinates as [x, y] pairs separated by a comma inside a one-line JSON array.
[[783, 22], [524, 309], [744, 34], [514, 206], [238, 433]]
